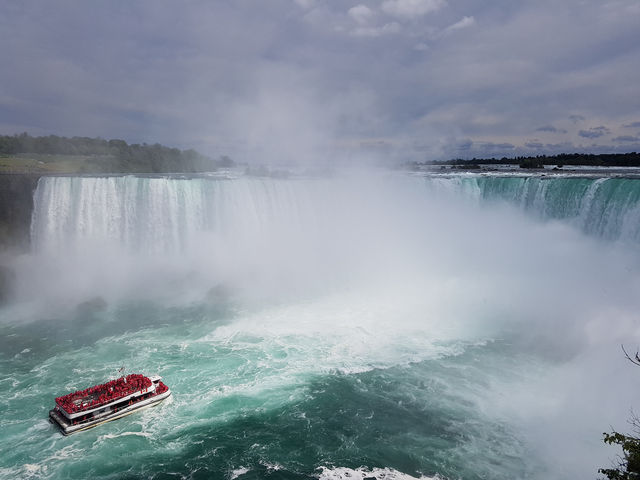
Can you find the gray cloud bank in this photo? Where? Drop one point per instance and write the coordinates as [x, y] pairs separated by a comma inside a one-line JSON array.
[[594, 132], [312, 79]]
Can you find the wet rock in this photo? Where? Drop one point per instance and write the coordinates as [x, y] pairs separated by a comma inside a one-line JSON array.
[[94, 305], [16, 206], [7, 283]]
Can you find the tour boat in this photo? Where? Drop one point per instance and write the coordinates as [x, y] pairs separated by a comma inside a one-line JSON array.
[[99, 404]]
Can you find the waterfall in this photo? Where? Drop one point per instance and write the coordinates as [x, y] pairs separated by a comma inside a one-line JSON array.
[[168, 214], [157, 214], [608, 208]]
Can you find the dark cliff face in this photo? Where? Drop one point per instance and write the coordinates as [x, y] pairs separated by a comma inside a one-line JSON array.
[[16, 206]]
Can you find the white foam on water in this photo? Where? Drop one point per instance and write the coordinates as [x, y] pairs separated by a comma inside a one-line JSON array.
[[238, 472], [362, 473], [46, 468], [272, 467], [33, 471], [110, 436]]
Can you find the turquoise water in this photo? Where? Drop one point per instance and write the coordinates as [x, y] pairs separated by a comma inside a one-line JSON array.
[[352, 327], [243, 404]]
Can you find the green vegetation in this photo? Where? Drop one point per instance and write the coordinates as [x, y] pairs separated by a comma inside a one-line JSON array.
[[53, 154], [601, 160], [531, 163], [628, 466]]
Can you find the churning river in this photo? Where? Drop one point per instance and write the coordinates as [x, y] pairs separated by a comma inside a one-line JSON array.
[[386, 325]]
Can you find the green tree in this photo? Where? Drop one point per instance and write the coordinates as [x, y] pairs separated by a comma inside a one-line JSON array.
[[628, 466], [629, 463]]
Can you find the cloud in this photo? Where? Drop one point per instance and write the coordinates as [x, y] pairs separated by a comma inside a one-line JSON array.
[[577, 118], [550, 128], [465, 22], [465, 144], [407, 9], [626, 138], [361, 14], [594, 132], [386, 29], [305, 3], [497, 146], [469, 148], [632, 125]]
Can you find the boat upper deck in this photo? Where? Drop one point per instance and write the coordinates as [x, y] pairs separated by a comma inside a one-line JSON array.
[[89, 399]]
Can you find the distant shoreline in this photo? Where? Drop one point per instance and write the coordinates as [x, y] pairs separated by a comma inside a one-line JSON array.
[[631, 159], [53, 154], [585, 171]]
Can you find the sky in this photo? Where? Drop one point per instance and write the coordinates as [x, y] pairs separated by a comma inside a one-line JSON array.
[[305, 80]]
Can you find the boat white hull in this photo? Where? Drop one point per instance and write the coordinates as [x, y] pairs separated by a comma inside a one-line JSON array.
[[67, 428]]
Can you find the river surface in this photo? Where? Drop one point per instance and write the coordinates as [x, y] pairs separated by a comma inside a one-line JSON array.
[[387, 325]]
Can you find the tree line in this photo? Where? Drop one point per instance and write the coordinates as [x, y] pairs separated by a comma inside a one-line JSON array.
[[112, 155], [631, 159]]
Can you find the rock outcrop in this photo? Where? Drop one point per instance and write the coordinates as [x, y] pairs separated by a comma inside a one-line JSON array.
[[16, 206]]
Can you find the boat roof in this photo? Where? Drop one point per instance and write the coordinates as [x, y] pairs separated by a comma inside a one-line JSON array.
[[93, 397]]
